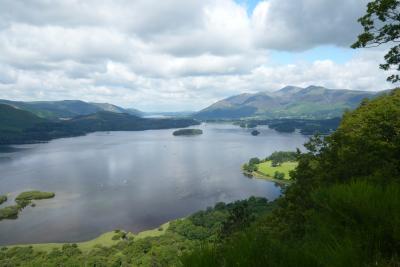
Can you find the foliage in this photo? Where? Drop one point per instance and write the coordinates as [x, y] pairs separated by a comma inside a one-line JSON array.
[[381, 25], [279, 175], [3, 198], [307, 127], [254, 161], [187, 132], [255, 132], [35, 195], [10, 212], [342, 210], [20, 127], [181, 237], [246, 124], [249, 168], [119, 235], [280, 157], [24, 199]]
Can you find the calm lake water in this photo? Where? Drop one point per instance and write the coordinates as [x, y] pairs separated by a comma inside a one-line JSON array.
[[131, 180]]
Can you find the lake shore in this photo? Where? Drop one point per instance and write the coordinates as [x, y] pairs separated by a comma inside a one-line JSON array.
[[121, 165], [105, 239], [261, 176]]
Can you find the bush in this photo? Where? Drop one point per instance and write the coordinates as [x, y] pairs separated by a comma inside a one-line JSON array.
[[279, 175], [250, 168], [10, 212], [254, 161], [3, 198], [282, 156]]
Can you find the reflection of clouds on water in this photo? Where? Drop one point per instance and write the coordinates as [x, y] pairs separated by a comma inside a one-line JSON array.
[[5, 159], [132, 180], [61, 200]]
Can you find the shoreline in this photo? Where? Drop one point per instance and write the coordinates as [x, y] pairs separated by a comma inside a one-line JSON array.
[[104, 239], [261, 176]]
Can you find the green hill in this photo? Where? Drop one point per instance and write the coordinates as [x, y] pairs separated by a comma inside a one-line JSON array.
[[16, 120], [110, 121], [19, 126]]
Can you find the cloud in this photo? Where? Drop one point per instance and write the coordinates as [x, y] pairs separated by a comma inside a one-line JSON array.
[[299, 25], [173, 54]]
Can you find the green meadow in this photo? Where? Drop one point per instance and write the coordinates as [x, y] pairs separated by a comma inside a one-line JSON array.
[[266, 169]]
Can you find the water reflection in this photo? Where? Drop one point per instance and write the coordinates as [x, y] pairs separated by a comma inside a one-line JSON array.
[[132, 180]]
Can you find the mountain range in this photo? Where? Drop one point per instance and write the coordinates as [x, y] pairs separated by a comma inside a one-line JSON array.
[[313, 102], [67, 108]]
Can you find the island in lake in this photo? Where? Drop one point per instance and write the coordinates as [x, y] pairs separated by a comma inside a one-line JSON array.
[[22, 200], [187, 132], [255, 133]]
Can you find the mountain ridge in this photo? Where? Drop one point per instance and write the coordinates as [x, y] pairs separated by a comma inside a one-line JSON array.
[[66, 108], [312, 102], [18, 126]]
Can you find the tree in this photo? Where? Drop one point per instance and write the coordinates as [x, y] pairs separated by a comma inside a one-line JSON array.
[[254, 161], [381, 25], [275, 163], [239, 218], [279, 175]]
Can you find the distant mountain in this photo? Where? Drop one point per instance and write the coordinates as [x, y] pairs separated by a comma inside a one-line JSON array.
[[134, 111], [20, 126], [313, 102], [168, 114], [66, 108], [111, 121]]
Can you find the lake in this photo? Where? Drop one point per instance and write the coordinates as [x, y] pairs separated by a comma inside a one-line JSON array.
[[131, 180]]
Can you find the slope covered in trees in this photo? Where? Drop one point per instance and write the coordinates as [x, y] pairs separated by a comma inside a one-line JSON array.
[[164, 249], [20, 126], [342, 210]]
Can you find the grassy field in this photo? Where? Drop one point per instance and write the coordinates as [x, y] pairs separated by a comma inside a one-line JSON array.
[[103, 240], [154, 232], [266, 169]]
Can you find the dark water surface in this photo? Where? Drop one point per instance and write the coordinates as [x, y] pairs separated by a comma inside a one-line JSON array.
[[131, 180]]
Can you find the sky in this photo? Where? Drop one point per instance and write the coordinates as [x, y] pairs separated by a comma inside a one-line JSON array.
[[176, 55]]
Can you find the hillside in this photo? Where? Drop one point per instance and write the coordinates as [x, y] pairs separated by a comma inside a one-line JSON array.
[[116, 109], [20, 126], [313, 102], [15, 120], [66, 108], [342, 208], [111, 121]]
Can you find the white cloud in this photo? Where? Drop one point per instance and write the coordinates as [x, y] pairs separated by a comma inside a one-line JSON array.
[[300, 25], [173, 54]]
